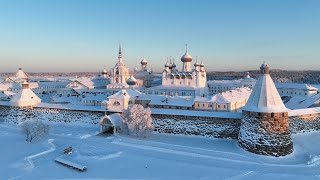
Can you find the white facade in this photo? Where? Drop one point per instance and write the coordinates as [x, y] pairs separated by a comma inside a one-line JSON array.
[[226, 101], [295, 89], [122, 100], [219, 86]]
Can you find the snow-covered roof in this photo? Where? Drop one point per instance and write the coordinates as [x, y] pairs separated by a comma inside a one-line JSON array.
[[84, 81], [306, 111], [6, 85], [115, 119], [300, 102], [52, 83], [25, 97], [161, 87], [227, 96], [21, 74], [265, 97], [96, 97], [185, 101], [224, 83], [64, 99], [296, 86], [6, 94], [232, 96], [125, 93]]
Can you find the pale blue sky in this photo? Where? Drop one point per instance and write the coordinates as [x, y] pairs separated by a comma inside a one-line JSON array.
[[83, 35]]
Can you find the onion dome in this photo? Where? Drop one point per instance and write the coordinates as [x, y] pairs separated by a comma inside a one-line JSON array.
[[174, 65], [186, 57], [131, 81], [201, 65], [144, 61], [167, 64], [197, 64], [104, 72]]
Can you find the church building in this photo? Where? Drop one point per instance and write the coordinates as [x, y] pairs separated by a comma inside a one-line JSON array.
[[187, 82]]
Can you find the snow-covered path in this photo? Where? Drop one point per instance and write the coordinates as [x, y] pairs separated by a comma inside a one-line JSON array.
[[159, 157], [31, 158]]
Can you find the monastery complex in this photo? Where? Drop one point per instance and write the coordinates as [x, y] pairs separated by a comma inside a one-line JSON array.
[[259, 113]]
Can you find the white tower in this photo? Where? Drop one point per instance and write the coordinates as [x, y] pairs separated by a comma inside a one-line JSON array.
[[119, 73]]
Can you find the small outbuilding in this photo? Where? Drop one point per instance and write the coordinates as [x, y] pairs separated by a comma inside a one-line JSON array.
[[110, 123]]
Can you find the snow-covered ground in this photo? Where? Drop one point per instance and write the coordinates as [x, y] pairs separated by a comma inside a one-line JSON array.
[[159, 157]]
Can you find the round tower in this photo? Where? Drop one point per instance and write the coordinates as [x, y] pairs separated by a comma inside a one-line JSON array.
[[265, 128]]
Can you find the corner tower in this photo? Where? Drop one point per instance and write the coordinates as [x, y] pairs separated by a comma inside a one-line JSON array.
[[264, 127]]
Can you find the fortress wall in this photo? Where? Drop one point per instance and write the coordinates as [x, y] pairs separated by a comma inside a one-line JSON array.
[[200, 126], [299, 124], [17, 115], [172, 124]]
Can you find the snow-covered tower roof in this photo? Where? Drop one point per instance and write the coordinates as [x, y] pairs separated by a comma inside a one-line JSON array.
[[21, 74], [265, 97], [25, 97]]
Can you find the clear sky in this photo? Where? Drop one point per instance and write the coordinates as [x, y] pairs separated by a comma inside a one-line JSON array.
[[83, 35]]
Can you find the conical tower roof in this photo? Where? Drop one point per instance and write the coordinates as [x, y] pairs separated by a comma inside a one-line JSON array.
[[25, 97], [265, 96]]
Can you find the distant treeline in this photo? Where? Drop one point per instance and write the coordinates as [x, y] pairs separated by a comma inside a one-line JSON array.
[[309, 77]]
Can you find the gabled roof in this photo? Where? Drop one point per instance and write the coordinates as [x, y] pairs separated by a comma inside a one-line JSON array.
[[125, 93], [296, 86], [185, 101]]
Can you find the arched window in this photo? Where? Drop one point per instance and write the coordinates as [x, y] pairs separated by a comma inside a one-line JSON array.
[[116, 103], [130, 102]]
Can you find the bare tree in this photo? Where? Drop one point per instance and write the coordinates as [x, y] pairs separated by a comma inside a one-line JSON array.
[[34, 129], [137, 121]]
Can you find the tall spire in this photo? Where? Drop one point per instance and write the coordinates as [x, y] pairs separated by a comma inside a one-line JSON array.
[[186, 47], [120, 53]]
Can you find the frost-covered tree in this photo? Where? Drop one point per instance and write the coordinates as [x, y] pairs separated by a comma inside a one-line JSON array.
[[137, 121], [34, 130]]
